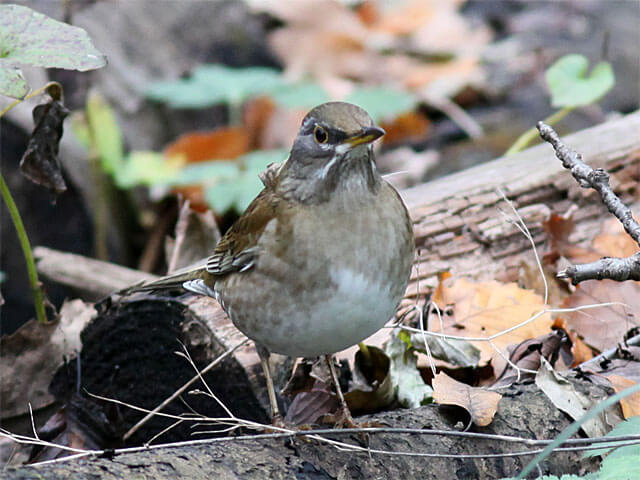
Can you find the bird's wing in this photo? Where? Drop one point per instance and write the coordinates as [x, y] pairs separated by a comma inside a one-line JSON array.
[[238, 249]]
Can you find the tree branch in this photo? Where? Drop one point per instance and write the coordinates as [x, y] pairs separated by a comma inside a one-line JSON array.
[[619, 269]]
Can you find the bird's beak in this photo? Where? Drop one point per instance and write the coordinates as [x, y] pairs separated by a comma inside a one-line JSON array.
[[367, 135]]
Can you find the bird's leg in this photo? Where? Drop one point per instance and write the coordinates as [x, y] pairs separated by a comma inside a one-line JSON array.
[[347, 419], [276, 416]]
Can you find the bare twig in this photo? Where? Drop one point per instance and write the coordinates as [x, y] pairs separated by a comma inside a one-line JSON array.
[[610, 353], [619, 269]]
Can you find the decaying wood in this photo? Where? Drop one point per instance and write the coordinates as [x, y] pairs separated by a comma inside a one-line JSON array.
[[524, 411]]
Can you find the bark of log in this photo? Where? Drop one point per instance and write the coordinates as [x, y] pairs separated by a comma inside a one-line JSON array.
[[524, 411]]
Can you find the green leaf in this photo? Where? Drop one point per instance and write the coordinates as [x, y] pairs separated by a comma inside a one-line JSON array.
[[621, 464], [80, 128], [630, 426], [213, 84], [256, 162], [382, 103], [571, 87], [206, 172], [222, 196], [12, 83], [411, 390], [29, 37], [144, 168], [300, 95], [105, 133]]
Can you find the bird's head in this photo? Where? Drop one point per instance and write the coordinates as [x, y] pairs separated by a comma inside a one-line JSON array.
[[333, 147]]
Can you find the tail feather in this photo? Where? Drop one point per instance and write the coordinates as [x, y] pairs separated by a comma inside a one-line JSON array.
[[174, 281]]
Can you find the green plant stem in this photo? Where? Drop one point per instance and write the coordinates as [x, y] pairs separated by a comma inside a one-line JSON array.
[[35, 93], [38, 298], [527, 137]]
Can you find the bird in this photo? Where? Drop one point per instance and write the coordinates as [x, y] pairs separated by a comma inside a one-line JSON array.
[[322, 256]]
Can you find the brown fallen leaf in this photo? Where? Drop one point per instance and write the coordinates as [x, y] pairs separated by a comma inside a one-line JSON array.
[[484, 309], [558, 227], [603, 327], [613, 241], [631, 403], [480, 403], [579, 350], [528, 355]]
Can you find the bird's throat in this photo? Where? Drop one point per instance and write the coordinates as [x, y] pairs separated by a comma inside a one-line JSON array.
[[347, 172]]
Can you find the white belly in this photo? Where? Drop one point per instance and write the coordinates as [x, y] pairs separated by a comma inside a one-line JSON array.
[[356, 310]]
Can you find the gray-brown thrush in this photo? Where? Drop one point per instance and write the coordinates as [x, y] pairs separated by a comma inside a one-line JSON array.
[[321, 257]]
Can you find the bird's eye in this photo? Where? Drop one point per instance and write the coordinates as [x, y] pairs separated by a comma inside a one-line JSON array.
[[320, 134]]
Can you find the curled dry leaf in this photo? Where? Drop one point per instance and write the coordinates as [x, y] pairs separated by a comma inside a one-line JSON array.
[[528, 355], [484, 309], [373, 388], [480, 403], [40, 162]]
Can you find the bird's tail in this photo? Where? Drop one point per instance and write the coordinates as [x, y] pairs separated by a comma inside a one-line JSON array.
[[170, 282]]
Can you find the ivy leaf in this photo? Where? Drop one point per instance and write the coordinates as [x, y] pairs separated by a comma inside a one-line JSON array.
[[29, 37], [571, 87], [40, 162]]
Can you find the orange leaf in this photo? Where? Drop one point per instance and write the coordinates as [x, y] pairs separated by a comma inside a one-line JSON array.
[[480, 403], [614, 241], [222, 143], [484, 309], [409, 126], [631, 403]]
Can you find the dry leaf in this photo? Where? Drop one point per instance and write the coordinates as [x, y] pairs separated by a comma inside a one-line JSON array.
[[40, 162], [562, 394], [603, 327], [480, 403], [31, 355], [484, 309], [308, 407], [558, 227], [529, 354], [223, 143], [410, 126], [580, 350], [631, 403], [613, 241]]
